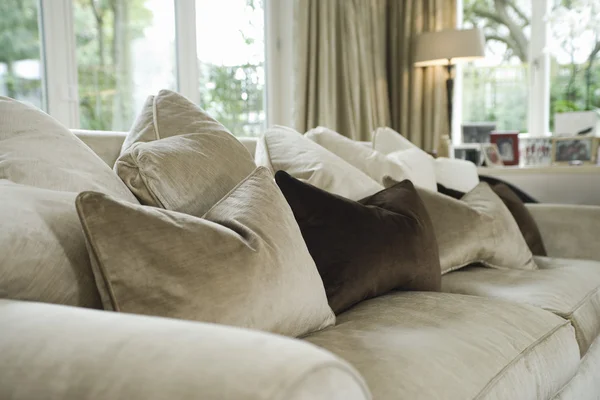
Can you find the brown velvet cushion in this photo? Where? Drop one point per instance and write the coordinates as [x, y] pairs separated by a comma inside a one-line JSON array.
[[520, 213], [363, 250]]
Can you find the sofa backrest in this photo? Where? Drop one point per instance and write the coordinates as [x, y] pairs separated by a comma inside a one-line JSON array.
[[107, 144]]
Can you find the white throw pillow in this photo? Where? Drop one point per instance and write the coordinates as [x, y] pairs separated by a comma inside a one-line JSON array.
[[456, 174], [386, 140], [244, 263], [369, 161], [36, 150], [284, 149], [419, 166]]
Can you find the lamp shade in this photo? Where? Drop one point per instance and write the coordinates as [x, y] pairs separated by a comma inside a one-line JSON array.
[[438, 48]]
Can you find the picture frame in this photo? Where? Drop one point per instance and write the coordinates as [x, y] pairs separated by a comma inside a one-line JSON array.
[[491, 155], [575, 150], [508, 146], [535, 151], [477, 132], [468, 152]]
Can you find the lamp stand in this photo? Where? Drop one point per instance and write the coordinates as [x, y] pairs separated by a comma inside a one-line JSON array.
[[450, 94]]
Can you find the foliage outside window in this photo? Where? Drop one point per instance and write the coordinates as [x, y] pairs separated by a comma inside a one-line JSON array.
[[497, 89], [20, 58], [125, 52], [230, 37]]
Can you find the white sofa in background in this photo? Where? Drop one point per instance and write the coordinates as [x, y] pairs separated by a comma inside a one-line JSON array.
[[403, 345]]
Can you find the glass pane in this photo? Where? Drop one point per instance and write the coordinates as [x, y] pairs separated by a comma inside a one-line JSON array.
[[495, 89], [230, 37], [125, 52], [20, 61], [575, 52]]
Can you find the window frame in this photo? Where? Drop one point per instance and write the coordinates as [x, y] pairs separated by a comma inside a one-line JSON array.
[[538, 122], [60, 79]]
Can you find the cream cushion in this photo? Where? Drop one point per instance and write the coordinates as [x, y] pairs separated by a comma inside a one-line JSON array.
[[187, 173], [169, 114], [36, 150], [585, 385], [55, 352], [244, 263], [369, 161], [284, 149], [419, 167], [386, 140], [42, 248], [476, 229], [568, 288], [418, 345], [178, 157], [456, 174]]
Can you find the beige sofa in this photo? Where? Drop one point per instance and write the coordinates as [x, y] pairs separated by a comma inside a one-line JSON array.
[[495, 335]]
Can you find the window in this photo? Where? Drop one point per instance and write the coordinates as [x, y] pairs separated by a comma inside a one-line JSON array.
[[125, 50], [575, 54], [562, 40], [21, 69], [92, 63], [231, 58], [495, 89]]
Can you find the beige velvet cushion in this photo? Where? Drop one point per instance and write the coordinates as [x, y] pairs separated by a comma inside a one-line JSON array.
[[585, 385], [417, 345], [476, 229], [244, 263], [54, 352], [186, 173], [369, 161], [36, 150], [170, 114], [179, 158], [42, 248], [568, 288], [287, 150]]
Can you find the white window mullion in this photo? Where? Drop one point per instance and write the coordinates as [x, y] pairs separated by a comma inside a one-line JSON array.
[[187, 58], [457, 103], [279, 42], [539, 69], [60, 61]]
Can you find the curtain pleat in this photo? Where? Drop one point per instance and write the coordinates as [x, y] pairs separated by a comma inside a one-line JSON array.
[[354, 69]]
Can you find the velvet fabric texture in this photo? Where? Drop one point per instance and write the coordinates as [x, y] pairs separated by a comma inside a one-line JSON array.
[[242, 264], [362, 250], [520, 213]]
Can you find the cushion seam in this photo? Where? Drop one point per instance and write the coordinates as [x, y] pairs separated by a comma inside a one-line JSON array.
[[89, 238], [580, 304], [518, 358], [235, 188], [144, 179], [155, 118]]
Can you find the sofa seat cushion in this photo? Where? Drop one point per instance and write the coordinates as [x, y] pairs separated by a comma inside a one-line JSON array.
[[567, 288], [418, 345]]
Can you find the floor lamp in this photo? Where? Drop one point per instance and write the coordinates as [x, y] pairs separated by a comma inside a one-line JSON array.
[[446, 48]]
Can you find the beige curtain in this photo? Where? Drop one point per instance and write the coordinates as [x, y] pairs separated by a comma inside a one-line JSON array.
[[353, 67], [340, 77], [418, 105]]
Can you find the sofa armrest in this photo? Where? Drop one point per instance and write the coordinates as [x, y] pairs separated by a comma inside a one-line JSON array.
[[568, 231], [56, 352]]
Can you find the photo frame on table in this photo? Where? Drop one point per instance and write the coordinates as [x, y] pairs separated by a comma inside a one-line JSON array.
[[491, 155], [535, 151], [477, 132], [508, 145], [574, 150]]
